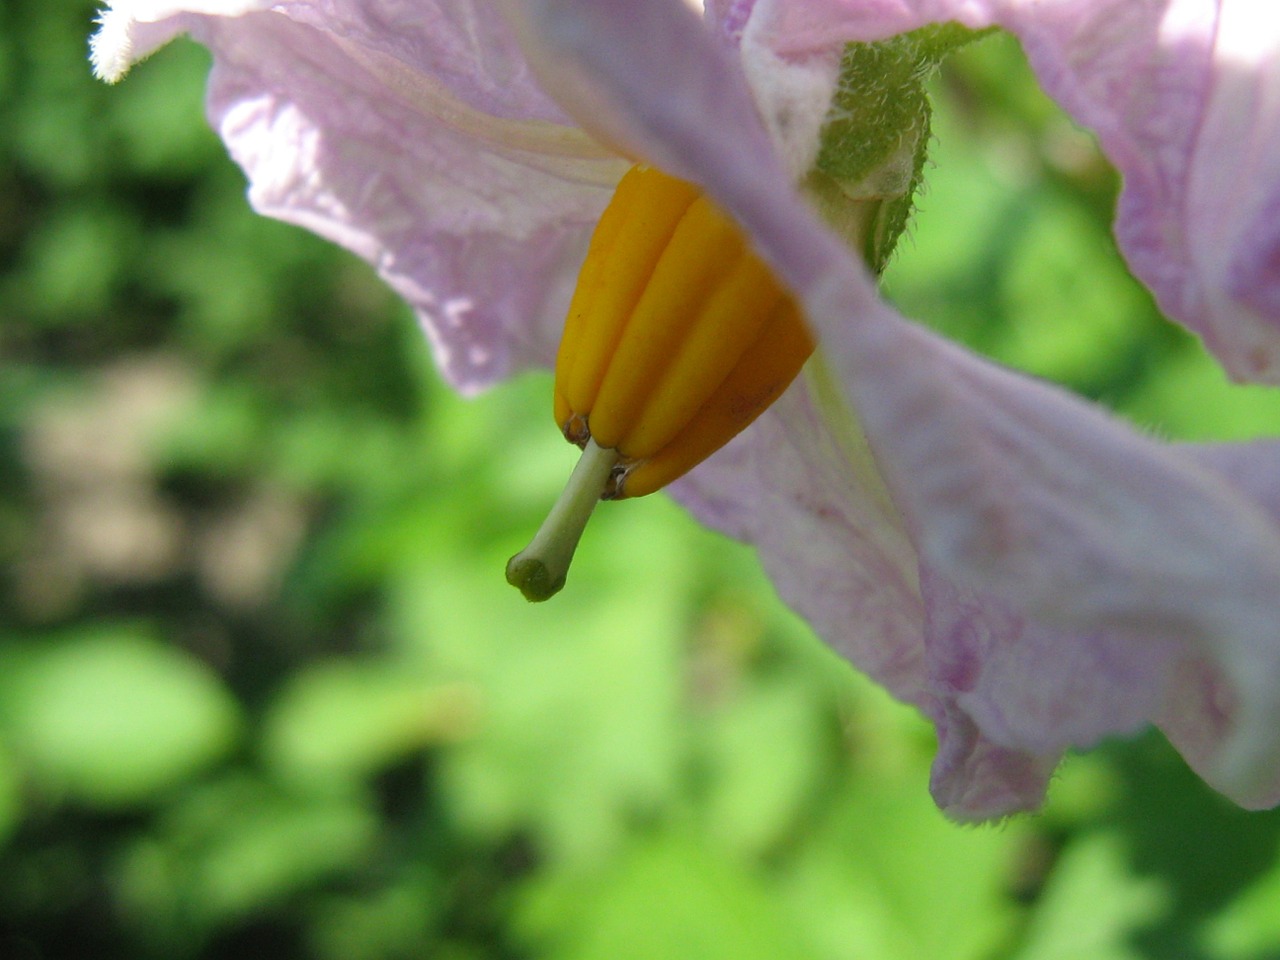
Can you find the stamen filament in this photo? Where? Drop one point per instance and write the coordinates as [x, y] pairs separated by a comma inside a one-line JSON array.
[[539, 570]]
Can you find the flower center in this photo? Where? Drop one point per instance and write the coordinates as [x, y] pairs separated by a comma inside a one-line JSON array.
[[678, 336]]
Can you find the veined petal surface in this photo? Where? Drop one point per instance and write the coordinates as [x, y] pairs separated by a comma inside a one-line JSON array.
[[412, 134]]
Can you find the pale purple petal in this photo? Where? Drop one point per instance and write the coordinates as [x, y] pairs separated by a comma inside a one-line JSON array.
[[570, 45], [129, 30], [1235, 192], [1252, 468], [1021, 492], [1028, 686], [1199, 713], [1051, 520], [728, 17], [1012, 695], [974, 778], [412, 133], [789, 487], [795, 28]]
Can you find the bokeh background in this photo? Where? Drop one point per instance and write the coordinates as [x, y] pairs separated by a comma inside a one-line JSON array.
[[263, 690]]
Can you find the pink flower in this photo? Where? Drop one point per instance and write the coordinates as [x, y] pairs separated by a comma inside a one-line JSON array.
[[1031, 573]]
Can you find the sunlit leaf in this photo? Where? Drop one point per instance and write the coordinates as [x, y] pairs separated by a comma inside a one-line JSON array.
[[768, 747], [1190, 398], [1092, 905], [340, 721], [670, 895], [882, 874], [113, 716], [579, 723], [1250, 925]]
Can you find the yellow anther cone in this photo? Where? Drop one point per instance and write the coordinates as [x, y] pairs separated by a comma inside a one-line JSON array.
[[678, 336], [631, 237]]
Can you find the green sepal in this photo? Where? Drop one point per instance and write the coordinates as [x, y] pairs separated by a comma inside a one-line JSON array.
[[876, 136]]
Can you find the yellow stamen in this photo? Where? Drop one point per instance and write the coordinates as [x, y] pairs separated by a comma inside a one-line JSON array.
[[745, 299], [702, 249], [677, 337], [759, 378], [626, 246]]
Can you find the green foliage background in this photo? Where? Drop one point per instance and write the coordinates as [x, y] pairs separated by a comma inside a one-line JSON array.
[[263, 691]]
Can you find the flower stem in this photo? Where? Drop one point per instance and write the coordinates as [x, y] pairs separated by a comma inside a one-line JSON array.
[[539, 570]]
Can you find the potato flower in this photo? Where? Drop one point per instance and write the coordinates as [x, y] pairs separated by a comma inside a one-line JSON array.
[[1031, 573]]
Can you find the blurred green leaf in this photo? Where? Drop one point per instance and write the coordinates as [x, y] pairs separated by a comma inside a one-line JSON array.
[[768, 747], [883, 874], [66, 275], [1190, 398], [392, 923], [1072, 306], [10, 795], [159, 117], [237, 848], [579, 711], [112, 716], [1092, 905], [667, 895], [1249, 927], [338, 722]]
